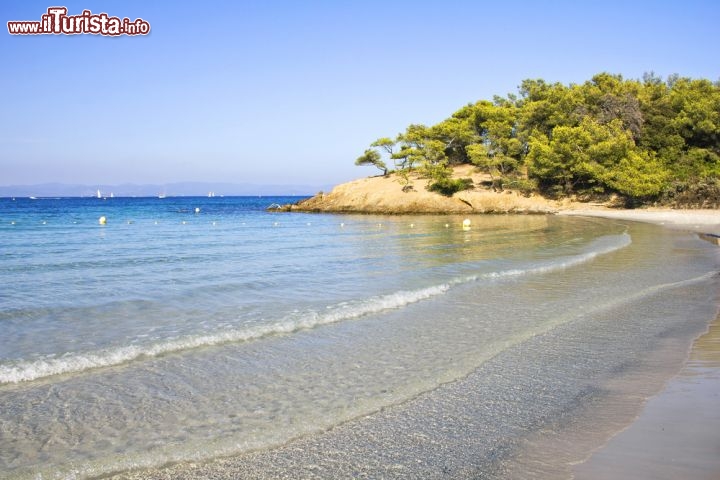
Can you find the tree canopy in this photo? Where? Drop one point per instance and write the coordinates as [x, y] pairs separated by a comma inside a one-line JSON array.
[[648, 140]]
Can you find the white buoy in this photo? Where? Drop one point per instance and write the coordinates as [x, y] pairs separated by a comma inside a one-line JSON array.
[[447, 225], [412, 225], [102, 220], [197, 209], [342, 225], [466, 223], [184, 222]]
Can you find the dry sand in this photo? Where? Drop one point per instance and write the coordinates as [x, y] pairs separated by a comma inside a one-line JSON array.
[[704, 221]]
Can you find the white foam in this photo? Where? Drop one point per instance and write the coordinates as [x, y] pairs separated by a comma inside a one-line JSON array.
[[601, 246], [23, 371]]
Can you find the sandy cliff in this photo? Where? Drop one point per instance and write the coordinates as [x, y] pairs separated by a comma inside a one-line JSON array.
[[385, 195]]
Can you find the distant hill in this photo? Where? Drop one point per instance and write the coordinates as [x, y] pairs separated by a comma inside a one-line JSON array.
[[149, 190]]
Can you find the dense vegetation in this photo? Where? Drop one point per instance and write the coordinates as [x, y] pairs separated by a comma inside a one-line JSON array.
[[644, 140]]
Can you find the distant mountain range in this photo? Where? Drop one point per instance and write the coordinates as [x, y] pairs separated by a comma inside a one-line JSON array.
[[170, 190]]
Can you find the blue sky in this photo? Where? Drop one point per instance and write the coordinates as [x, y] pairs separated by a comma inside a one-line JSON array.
[[281, 92]]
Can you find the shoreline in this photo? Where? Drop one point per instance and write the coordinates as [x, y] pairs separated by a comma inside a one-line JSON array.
[[383, 195], [266, 463], [675, 434], [699, 221]]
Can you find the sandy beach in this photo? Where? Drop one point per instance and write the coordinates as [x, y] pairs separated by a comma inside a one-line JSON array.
[[338, 240], [676, 435], [701, 221]]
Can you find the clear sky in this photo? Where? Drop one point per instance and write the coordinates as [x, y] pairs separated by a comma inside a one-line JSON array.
[[291, 92]]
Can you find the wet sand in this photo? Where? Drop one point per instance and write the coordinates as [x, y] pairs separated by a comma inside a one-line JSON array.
[[433, 437], [677, 434]]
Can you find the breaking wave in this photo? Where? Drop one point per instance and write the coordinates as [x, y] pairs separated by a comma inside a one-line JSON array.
[[24, 370]]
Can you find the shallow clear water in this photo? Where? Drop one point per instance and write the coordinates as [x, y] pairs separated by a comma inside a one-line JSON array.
[[169, 335]]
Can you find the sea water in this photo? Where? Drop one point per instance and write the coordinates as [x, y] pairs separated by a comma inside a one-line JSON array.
[[185, 329]]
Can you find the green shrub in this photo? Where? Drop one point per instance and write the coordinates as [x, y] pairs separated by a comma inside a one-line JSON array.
[[700, 193], [450, 186], [525, 186]]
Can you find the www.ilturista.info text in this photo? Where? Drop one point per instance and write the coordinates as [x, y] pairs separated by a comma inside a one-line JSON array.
[[57, 21]]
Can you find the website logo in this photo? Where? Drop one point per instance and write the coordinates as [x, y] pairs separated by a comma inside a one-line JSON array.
[[57, 22]]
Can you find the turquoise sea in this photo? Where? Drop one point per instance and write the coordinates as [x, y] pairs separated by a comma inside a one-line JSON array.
[[186, 329]]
